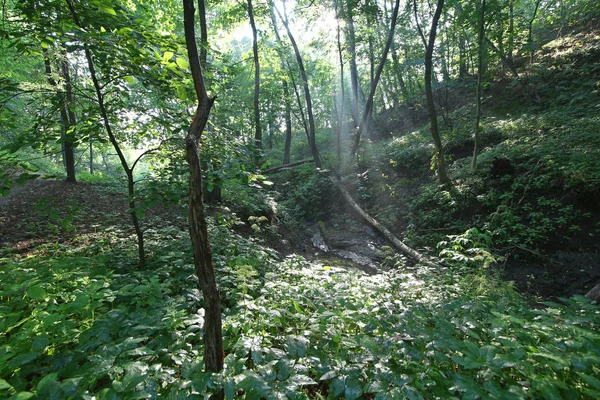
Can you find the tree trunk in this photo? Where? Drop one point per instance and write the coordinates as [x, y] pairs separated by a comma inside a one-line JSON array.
[[397, 243], [369, 105], [203, 33], [257, 127], [213, 336], [351, 43], [342, 106], [307, 96], [435, 133], [66, 125], [70, 135], [287, 146], [480, 73]]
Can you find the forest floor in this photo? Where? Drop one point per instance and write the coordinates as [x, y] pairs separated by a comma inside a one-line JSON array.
[[56, 212]]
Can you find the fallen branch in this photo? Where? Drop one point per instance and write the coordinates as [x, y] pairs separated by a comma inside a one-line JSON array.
[[286, 166], [594, 294], [397, 243]]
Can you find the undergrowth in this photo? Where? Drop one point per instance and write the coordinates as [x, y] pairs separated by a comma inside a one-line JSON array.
[[82, 323]]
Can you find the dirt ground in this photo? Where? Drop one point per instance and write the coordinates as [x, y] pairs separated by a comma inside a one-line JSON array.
[[25, 223]]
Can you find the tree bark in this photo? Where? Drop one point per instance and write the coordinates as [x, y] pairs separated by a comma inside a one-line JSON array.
[[66, 121], [354, 80], [287, 145], [113, 140], [307, 96], [480, 73], [369, 105], [257, 127], [213, 336], [69, 136], [203, 33], [435, 133], [342, 106]]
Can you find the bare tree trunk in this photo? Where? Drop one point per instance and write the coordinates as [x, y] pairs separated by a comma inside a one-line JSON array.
[[66, 122], [287, 146], [435, 133], [257, 127], [480, 73], [69, 136], [369, 105], [203, 32], [342, 106], [113, 140], [351, 43], [213, 336], [307, 96]]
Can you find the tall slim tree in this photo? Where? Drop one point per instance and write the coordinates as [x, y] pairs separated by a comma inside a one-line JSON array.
[[480, 72], [67, 116], [213, 335], [113, 139], [369, 104], [307, 95], [429, 46], [257, 126]]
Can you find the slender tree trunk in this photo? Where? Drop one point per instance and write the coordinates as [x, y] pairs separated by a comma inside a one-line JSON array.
[[342, 106], [91, 157], [287, 146], [369, 105], [257, 127], [307, 96], [213, 336], [70, 135], [351, 43], [435, 133], [66, 122], [113, 140], [511, 30], [530, 27], [284, 62], [480, 73], [203, 32]]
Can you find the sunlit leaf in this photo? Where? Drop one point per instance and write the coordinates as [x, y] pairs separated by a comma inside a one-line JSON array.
[[182, 63]]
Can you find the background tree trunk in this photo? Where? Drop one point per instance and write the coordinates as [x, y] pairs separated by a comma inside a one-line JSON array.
[[480, 73], [257, 127]]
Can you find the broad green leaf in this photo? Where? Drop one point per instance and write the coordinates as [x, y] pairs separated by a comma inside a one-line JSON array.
[[107, 9], [182, 62], [129, 79], [36, 292], [22, 396], [4, 385], [353, 389], [167, 55]]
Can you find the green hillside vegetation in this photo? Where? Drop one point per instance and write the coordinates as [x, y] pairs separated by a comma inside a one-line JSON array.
[[93, 306]]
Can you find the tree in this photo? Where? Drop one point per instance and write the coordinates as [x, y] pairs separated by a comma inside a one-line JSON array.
[[307, 95], [480, 72], [213, 335], [67, 116], [429, 46], [375, 81], [256, 102]]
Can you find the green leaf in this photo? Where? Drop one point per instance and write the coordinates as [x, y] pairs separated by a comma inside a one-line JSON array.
[[182, 93], [36, 292], [5, 385], [167, 56], [353, 389], [22, 396], [129, 79], [182, 62], [107, 9]]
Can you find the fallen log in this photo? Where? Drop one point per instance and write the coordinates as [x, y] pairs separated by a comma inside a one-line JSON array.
[[594, 294], [285, 166], [396, 243]]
